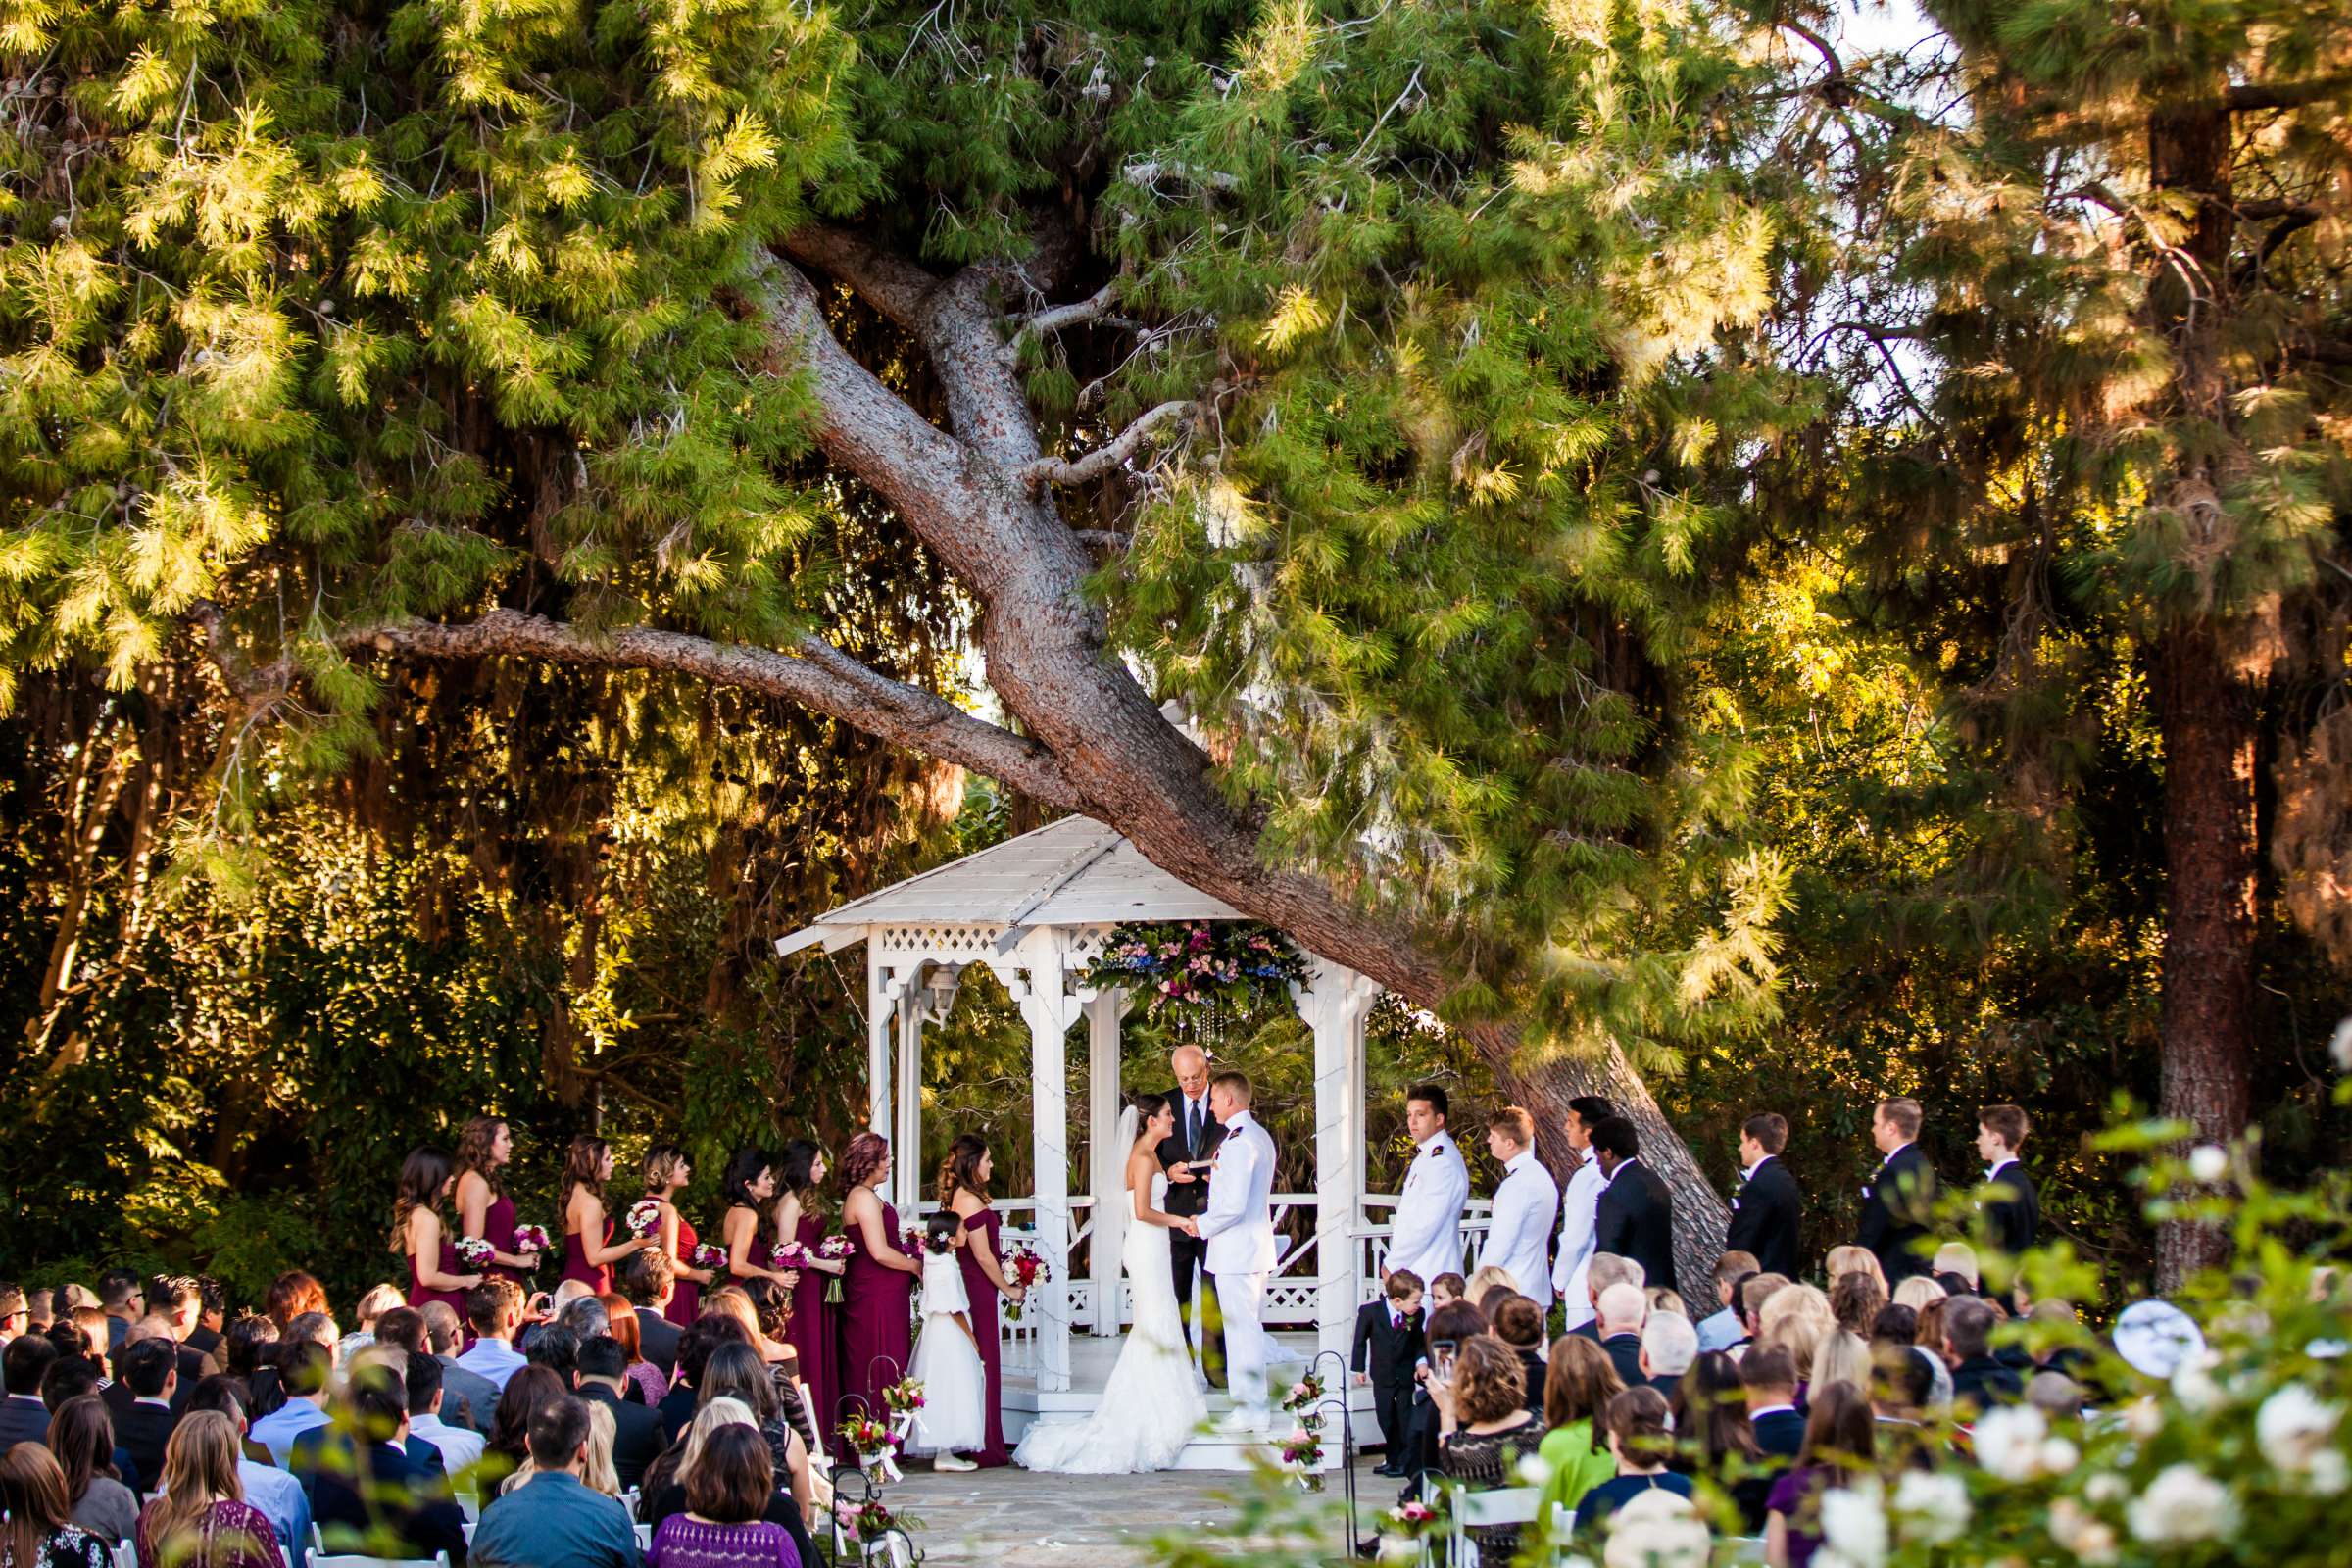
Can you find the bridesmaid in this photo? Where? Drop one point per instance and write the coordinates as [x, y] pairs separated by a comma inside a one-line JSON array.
[[417, 1230], [801, 1215], [879, 1284], [750, 1182], [964, 1189], [484, 1207], [666, 1172], [589, 1253]]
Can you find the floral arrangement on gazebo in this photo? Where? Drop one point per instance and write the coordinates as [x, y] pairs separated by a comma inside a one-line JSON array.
[[1181, 965]]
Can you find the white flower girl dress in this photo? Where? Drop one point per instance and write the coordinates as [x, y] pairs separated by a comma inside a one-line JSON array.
[[954, 1414]]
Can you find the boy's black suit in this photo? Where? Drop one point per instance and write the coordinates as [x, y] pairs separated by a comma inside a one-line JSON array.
[[1387, 1350]]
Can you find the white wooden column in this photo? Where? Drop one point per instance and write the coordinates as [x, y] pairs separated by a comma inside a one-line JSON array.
[[1035, 977], [879, 1009], [1335, 1002], [1105, 1162], [907, 1135]]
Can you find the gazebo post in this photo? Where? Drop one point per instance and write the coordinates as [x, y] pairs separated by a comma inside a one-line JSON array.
[[1039, 984], [1105, 1165], [877, 1040], [1335, 1002], [907, 1139]]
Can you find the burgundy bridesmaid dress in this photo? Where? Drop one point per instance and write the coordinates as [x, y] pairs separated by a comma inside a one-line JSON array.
[[419, 1296], [686, 1304], [982, 1290], [810, 1333], [598, 1276], [876, 1333], [498, 1229]]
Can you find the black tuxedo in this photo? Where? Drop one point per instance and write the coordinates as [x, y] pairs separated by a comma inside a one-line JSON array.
[[1896, 1207], [1766, 1219], [1197, 1136], [2014, 1211], [1634, 1219], [1625, 1355], [657, 1340], [1387, 1353], [143, 1430], [23, 1418], [637, 1439]]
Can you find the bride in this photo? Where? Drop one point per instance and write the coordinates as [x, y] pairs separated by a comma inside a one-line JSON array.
[[1153, 1402]]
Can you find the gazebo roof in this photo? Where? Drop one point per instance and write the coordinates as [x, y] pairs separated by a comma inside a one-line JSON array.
[[1076, 871]]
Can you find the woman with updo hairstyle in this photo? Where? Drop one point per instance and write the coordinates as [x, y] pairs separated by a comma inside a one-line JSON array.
[[963, 1188], [666, 1173], [1485, 1429], [589, 1250], [876, 1342], [803, 1215], [423, 1235]]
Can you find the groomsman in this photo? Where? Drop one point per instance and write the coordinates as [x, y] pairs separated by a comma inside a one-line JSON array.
[[1518, 1235], [1574, 1260], [1634, 1217], [1196, 1138], [1767, 1210], [1900, 1199], [1425, 1238], [2012, 1208]]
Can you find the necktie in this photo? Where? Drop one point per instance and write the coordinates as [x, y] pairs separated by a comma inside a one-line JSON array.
[[1397, 1320], [1192, 1131]]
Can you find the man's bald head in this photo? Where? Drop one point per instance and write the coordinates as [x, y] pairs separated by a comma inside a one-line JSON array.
[[1191, 1067]]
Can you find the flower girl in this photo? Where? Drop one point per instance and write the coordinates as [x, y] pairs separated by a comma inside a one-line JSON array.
[[947, 1358]]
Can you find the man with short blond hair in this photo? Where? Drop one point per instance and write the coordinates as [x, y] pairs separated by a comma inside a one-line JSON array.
[[1519, 1231], [1899, 1203], [1722, 1330]]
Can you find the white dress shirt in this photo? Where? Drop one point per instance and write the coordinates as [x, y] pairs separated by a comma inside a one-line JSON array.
[[493, 1359], [460, 1447], [1720, 1331], [1523, 1209], [1569, 1273], [1425, 1235]]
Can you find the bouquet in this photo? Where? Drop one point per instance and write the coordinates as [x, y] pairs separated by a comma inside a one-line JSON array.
[[532, 1239], [1027, 1266], [926, 1239], [644, 1217], [904, 1396], [788, 1255], [833, 1248], [708, 1256], [475, 1254]]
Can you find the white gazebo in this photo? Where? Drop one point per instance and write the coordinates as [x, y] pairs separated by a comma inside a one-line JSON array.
[[1036, 910]]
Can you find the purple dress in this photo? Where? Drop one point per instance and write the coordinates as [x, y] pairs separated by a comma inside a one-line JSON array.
[[686, 1304], [982, 1292], [419, 1295], [597, 1276], [498, 1229], [683, 1542], [810, 1333], [876, 1333]]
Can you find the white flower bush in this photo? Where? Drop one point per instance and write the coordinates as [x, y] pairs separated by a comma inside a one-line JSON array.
[[1657, 1530], [2182, 1503], [1854, 1531], [1932, 1505]]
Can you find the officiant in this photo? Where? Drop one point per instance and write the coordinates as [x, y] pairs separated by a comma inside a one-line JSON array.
[[1193, 1140]]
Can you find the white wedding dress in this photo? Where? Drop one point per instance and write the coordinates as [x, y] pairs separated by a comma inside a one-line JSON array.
[[1154, 1401]]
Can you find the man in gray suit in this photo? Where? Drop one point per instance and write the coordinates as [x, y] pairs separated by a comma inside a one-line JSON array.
[[467, 1399]]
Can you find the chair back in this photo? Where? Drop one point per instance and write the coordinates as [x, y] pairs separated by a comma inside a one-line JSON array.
[[1474, 1510], [357, 1560]]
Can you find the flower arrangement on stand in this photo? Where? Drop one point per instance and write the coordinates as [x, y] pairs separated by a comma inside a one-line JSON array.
[[881, 1533], [1404, 1527], [534, 1240], [644, 1217], [1302, 1450], [875, 1442], [1026, 1265]]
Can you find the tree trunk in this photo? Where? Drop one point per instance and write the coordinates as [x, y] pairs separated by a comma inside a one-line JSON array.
[[2207, 711]]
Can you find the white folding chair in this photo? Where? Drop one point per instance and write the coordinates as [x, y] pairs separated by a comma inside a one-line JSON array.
[[468, 1528], [439, 1559], [1743, 1550], [127, 1556], [1477, 1510], [645, 1537], [633, 1499]]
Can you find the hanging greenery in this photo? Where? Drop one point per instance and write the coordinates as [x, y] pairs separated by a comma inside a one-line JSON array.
[[1193, 964]]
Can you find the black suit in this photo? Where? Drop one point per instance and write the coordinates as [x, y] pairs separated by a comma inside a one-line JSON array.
[[1197, 1136], [1896, 1207], [23, 1418], [1981, 1380], [676, 1412], [1634, 1219], [1625, 1355], [1766, 1219], [637, 1439], [2014, 1212], [1782, 1433], [657, 1340], [1388, 1353], [401, 1500], [143, 1430]]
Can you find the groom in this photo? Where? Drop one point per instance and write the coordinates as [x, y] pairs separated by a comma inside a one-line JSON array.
[[1239, 1227]]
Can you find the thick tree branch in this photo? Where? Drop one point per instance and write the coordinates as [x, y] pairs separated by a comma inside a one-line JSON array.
[[1058, 318], [2256, 95], [891, 284], [1099, 462]]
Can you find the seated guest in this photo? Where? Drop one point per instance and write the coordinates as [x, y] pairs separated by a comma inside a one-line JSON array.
[[1488, 1287], [403, 1329], [203, 1520], [379, 1300], [636, 1429], [509, 1449], [1840, 1357], [1669, 1345], [1851, 1259], [1637, 1422], [1485, 1429], [1715, 1439], [729, 1493], [23, 1418], [303, 1369], [1620, 1311], [460, 1448], [1956, 1260], [151, 1373], [643, 1383], [1841, 1448], [383, 1503], [703, 1336], [83, 1437], [665, 1482], [1578, 1387], [1767, 1378], [1899, 1385], [1917, 1292], [1797, 1318], [1980, 1380], [737, 1372], [553, 1520], [494, 1310], [1607, 1269], [556, 1348], [278, 1495], [2056, 1395], [1854, 1302], [312, 1326], [467, 1399], [36, 1528], [1895, 1324], [1721, 1328], [1662, 1299], [1449, 1327], [1519, 1324], [648, 1281], [1754, 1291]]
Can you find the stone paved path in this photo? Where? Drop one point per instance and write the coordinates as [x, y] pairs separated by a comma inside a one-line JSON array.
[[1020, 1520]]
